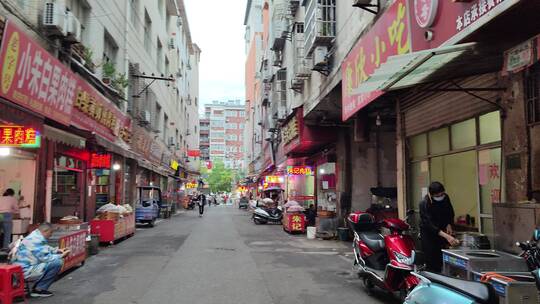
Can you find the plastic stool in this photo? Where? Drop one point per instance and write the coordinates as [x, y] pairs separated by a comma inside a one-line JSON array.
[[11, 283]]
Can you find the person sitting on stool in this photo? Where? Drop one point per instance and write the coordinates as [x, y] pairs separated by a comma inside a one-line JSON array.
[[40, 262]]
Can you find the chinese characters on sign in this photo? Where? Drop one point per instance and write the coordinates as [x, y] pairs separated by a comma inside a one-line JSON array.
[[425, 12], [194, 153], [478, 9], [33, 78], [19, 136], [76, 243], [100, 161], [290, 131], [389, 36], [299, 170], [191, 185], [273, 179]]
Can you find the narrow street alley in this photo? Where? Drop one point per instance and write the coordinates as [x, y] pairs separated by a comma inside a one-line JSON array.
[[220, 258]]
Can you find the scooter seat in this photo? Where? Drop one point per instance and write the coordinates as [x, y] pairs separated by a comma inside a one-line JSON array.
[[480, 292], [373, 239]]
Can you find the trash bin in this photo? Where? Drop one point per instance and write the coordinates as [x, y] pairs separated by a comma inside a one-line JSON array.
[[311, 232], [93, 246], [343, 234]]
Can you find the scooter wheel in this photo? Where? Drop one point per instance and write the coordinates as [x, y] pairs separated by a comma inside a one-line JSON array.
[[256, 221], [368, 285]]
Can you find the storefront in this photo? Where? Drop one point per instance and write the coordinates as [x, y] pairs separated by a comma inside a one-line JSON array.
[[20, 141], [461, 149]]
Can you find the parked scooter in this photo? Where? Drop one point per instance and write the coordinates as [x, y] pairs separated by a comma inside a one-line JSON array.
[[267, 215], [440, 289], [383, 261], [191, 204]]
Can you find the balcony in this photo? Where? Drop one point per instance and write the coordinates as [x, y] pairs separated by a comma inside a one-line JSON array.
[[320, 24], [294, 5], [280, 26]]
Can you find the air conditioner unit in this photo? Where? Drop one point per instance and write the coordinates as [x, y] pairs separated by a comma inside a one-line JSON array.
[[54, 19], [320, 56], [172, 43], [74, 28], [171, 141]]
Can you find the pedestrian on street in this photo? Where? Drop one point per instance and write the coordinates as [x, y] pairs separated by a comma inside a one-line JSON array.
[[437, 217], [40, 262], [311, 215], [8, 207], [201, 200]]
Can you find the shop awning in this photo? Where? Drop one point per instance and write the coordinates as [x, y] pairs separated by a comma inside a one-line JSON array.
[[403, 71], [64, 137], [118, 147]]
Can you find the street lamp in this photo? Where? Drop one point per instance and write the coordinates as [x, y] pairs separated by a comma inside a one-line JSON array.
[[116, 166]]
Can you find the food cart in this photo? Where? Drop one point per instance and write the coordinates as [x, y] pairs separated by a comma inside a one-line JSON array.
[[71, 236], [112, 227], [294, 219]]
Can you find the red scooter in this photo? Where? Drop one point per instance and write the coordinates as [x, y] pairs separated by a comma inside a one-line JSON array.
[[383, 261]]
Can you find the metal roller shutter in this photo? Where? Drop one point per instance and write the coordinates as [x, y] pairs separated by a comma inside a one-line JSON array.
[[425, 110]]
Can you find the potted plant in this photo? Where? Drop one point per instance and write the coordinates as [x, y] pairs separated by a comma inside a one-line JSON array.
[[108, 72], [120, 82], [87, 57]]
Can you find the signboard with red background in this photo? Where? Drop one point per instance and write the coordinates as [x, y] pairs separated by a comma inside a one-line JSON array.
[[76, 243], [36, 80], [460, 17], [389, 36]]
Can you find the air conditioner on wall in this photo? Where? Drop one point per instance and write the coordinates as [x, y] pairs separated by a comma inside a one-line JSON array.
[[320, 56], [171, 141], [74, 28], [54, 19]]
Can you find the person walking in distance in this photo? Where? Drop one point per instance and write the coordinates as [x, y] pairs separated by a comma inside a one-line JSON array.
[[8, 207], [201, 200]]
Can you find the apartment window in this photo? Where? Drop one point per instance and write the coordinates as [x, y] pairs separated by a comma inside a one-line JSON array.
[[157, 117], [81, 10], [242, 113], [134, 13], [147, 32], [110, 48], [196, 102], [165, 124], [167, 67], [532, 94], [159, 56]]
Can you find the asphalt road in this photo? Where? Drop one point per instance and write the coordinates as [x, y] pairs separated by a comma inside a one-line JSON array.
[[219, 258]]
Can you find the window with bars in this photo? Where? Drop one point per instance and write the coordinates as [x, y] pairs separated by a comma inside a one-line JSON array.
[[532, 94]]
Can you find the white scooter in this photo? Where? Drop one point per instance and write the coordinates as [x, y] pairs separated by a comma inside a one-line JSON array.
[[267, 215]]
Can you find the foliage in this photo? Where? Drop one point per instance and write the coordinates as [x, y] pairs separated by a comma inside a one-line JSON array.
[[109, 70], [219, 178], [87, 55]]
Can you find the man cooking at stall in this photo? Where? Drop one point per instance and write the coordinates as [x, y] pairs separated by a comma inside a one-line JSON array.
[[41, 263]]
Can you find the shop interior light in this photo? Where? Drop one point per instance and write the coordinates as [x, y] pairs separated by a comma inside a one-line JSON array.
[[116, 167], [321, 171], [5, 151], [281, 179]]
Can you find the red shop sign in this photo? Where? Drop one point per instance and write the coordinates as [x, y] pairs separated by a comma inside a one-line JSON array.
[[100, 161], [389, 36], [194, 153], [33, 78], [19, 136], [460, 18]]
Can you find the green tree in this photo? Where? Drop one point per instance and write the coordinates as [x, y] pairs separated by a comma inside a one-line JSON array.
[[218, 178]]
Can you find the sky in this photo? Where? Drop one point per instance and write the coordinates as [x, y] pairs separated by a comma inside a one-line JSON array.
[[217, 27]]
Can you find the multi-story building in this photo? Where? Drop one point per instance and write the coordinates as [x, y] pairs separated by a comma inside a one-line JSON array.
[[226, 136], [204, 138], [394, 95], [116, 100]]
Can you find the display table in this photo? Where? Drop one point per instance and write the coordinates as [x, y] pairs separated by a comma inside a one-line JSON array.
[[75, 241], [294, 222], [112, 230]]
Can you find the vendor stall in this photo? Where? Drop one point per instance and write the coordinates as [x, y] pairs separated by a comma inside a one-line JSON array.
[[294, 219], [73, 237], [113, 224]]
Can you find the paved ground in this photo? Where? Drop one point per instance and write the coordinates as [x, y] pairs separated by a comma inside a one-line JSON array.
[[220, 258]]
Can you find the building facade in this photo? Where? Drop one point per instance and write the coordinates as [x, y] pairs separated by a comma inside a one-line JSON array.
[[379, 100], [111, 103], [226, 134]]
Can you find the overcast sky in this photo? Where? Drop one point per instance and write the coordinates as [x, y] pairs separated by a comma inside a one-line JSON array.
[[218, 28]]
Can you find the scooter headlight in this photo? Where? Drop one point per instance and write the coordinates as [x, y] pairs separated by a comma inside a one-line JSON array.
[[403, 259]]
